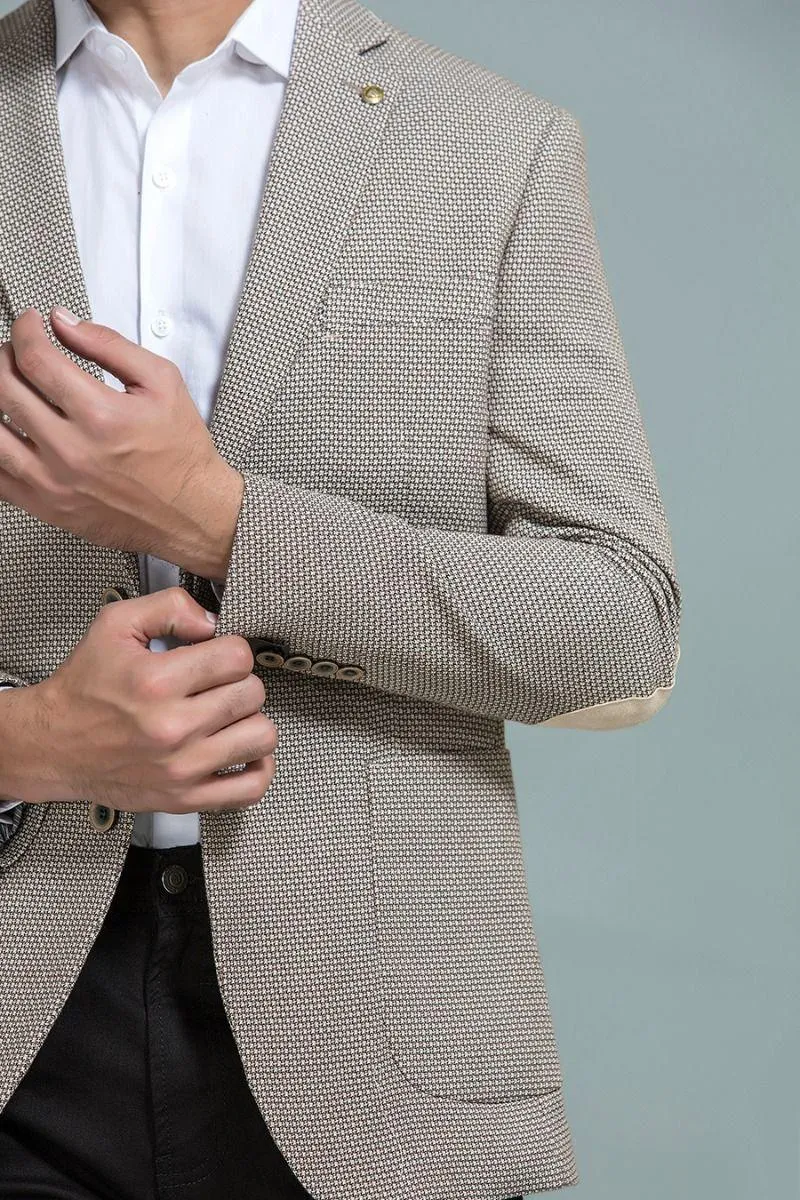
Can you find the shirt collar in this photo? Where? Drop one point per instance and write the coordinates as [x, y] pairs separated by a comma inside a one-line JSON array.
[[263, 33]]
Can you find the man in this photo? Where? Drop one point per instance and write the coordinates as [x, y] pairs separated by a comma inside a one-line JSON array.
[[338, 414]]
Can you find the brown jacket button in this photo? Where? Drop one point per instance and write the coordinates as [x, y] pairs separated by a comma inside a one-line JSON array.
[[351, 674], [113, 593], [267, 654], [269, 658], [102, 817], [372, 93], [324, 666], [297, 662]]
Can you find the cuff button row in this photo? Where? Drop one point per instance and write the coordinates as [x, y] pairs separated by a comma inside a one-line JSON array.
[[301, 664]]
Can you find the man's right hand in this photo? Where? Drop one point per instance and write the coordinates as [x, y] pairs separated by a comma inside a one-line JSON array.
[[141, 731]]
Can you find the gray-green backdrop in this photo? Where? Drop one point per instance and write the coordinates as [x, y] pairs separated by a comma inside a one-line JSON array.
[[664, 860]]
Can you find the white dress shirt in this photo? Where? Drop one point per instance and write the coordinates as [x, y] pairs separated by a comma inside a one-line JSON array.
[[165, 194]]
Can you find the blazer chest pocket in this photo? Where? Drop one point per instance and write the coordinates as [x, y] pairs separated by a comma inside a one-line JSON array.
[[400, 301], [401, 361], [464, 1002]]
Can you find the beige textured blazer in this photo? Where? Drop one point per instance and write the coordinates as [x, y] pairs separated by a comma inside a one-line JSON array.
[[449, 497]]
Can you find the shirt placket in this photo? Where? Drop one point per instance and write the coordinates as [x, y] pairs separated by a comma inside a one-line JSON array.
[[163, 186]]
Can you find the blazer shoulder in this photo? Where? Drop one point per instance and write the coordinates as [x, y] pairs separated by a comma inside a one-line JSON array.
[[472, 97]]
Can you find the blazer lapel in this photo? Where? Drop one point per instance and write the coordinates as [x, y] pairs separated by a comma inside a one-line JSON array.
[[324, 145], [39, 260]]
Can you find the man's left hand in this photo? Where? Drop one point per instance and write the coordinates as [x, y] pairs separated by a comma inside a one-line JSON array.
[[134, 470]]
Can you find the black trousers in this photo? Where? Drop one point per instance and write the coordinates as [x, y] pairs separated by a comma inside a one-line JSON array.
[[138, 1091]]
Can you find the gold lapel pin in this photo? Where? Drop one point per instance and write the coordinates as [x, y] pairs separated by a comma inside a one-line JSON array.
[[372, 93]]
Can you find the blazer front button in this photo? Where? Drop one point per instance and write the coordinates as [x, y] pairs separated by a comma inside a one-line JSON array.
[[351, 674], [113, 593], [324, 667], [297, 662], [102, 817]]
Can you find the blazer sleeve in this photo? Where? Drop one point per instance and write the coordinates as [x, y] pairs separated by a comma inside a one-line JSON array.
[[566, 610]]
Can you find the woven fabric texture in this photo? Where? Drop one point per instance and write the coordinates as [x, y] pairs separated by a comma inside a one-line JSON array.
[[447, 485]]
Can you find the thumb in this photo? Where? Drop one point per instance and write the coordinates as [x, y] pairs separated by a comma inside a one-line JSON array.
[[170, 612], [128, 361]]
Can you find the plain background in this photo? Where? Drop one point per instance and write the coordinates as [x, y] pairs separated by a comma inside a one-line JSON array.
[[663, 860]]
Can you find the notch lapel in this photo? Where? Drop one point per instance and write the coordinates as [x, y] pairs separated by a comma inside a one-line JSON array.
[[324, 146], [39, 259]]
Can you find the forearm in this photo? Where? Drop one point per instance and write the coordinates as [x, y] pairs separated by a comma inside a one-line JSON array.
[[10, 762], [5, 804], [201, 542]]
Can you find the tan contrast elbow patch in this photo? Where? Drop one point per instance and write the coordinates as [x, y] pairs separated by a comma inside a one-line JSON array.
[[617, 714]]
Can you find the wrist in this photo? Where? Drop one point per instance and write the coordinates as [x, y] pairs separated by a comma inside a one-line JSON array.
[[207, 541], [26, 763]]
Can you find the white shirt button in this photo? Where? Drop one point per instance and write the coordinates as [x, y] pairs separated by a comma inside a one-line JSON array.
[[164, 177], [161, 323], [115, 53]]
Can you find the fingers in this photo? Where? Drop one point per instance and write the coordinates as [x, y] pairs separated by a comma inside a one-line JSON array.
[[245, 741], [249, 742], [218, 707], [24, 405], [185, 670], [18, 456], [47, 368], [132, 364], [12, 490], [168, 612], [240, 790], [191, 670]]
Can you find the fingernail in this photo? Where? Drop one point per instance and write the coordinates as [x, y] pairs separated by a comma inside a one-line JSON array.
[[212, 616], [64, 314]]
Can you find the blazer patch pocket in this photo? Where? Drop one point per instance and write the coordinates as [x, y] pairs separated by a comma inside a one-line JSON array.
[[463, 994]]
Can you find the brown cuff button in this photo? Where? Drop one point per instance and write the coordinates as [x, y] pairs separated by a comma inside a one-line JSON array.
[[324, 667], [267, 653], [351, 674], [298, 662], [269, 658]]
